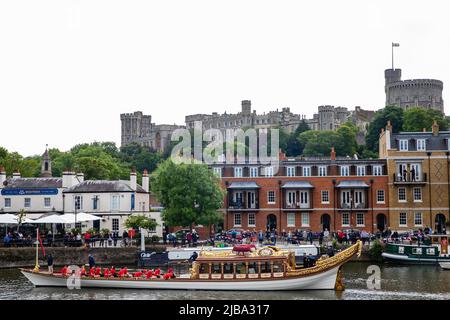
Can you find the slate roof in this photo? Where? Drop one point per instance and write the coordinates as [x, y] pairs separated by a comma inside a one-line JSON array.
[[297, 185], [33, 183], [103, 186], [243, 185], [352, 184], [438, 142]]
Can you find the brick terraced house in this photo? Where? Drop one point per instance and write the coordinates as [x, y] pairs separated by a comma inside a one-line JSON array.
[[306, 193]]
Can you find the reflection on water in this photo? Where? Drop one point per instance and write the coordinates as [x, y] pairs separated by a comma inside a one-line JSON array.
[[397, 282]]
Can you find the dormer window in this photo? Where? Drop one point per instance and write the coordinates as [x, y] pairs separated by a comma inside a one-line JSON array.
[[403, 145], [290, 171], [360, 170], [345, 171], [306, 171], [421, 145], [238, 172]]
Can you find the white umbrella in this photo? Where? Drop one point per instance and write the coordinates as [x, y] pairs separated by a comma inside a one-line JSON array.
[[79, 217], [8, 219], [54, 218]]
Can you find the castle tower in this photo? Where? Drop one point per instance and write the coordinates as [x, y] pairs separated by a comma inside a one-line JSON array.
[[246, 107], [46, 165]]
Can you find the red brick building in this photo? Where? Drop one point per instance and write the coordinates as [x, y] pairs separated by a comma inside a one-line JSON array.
[[306, 193]]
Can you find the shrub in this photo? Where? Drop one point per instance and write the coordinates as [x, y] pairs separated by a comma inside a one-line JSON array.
[[376, 250]]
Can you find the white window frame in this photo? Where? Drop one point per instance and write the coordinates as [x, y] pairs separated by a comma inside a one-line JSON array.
[[377, 170], [290, 171], [417, 199], [421, 145], [218, 172], [358, 216], [115, 221], [291, 198], [322, 171], [27, 204], [345, 171], [361, 171], [306, 171], [418, 216], [358, 197], [78, 202], [49, 205], [251, 216], [268, 171], [347, 215], [269, 193], [398, 196], [238, 172], [113, 206], [325, 194], [381, 196], [8, 200], [253, 172], [237, 216], [290, 217], [346, 196], [305, 219], [403, 145], [403, 216]]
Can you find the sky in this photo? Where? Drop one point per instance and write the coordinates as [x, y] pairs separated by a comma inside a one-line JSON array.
[[68, 69]]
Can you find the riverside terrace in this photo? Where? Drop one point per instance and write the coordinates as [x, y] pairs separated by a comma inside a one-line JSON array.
[[334, 193]]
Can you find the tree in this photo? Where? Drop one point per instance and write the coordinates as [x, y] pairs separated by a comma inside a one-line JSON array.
[[138, 222], [319, 143], [348, 132], [294, 145], [190, 194], [417, 118], [389, 113]]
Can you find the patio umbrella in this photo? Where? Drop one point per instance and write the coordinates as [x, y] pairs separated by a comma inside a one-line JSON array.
[[8, 219], [79, 217], [54, 218]]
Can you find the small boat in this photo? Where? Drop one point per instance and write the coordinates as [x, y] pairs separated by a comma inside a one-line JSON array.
[[445, 265], [240, 268], [433, 251]]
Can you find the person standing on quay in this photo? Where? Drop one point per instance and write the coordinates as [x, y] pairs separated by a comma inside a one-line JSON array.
[[91, 261], [50, 263]]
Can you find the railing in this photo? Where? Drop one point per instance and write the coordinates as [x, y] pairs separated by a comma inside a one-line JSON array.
[[361, 205], [297, 205], [409, 178], [242, 205]]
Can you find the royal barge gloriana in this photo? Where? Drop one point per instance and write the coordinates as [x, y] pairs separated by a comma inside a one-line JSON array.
[[267, 268], [433, 251]]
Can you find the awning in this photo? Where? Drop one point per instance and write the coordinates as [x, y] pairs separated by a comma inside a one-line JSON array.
[[243, 185], [297, 185], [7, 218], [352, 184]]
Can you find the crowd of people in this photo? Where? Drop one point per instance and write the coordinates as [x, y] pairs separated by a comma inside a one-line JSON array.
[[16, 238], [189, 239], [94, 271]]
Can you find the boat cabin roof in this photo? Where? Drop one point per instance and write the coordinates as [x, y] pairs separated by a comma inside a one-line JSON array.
[[239, 258]]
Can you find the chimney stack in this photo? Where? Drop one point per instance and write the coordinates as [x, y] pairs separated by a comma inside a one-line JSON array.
[[281, 155], [389, 126], [145, 181], [133, 179], [69, 179], [2, 176], [435, 128], [80, 177], [333, 154]]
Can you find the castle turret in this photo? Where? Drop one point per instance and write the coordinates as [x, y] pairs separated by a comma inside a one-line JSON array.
[[392, 75], [246, 107]]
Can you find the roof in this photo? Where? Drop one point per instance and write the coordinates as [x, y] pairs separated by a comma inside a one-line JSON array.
[[352, 184], [33, 183], [433, 142], [243, 185], [297, 185], [103, 186]]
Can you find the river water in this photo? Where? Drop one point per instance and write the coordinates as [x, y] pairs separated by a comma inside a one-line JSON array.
[[397, 282]]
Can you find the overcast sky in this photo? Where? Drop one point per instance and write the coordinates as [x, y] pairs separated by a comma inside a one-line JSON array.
[[69, 68]]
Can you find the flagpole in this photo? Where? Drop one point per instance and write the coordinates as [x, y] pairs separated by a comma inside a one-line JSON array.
[[36, 267], [392, 56]]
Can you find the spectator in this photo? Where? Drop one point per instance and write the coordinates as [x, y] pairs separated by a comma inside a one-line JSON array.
[[50, 263]]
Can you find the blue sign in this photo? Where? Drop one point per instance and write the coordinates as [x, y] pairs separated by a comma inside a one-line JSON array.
[[29, 192]]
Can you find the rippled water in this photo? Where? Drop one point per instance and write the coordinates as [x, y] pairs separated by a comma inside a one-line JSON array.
[[397, 282]]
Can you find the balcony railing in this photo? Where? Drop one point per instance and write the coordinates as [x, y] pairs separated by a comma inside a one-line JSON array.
[[408, 178], [297, 205], [353, 206], [242, 205]]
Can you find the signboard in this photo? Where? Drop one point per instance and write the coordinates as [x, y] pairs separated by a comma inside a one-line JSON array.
[[29, 192]]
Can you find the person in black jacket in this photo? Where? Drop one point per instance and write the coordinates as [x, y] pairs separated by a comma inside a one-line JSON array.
[[50, 263], [91, 261]]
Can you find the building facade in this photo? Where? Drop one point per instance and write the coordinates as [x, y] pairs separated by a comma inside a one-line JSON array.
[[419, 176], [426, 93], [306, 193]]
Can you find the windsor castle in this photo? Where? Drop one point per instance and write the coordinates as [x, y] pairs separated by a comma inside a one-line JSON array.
[[427, 93]]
